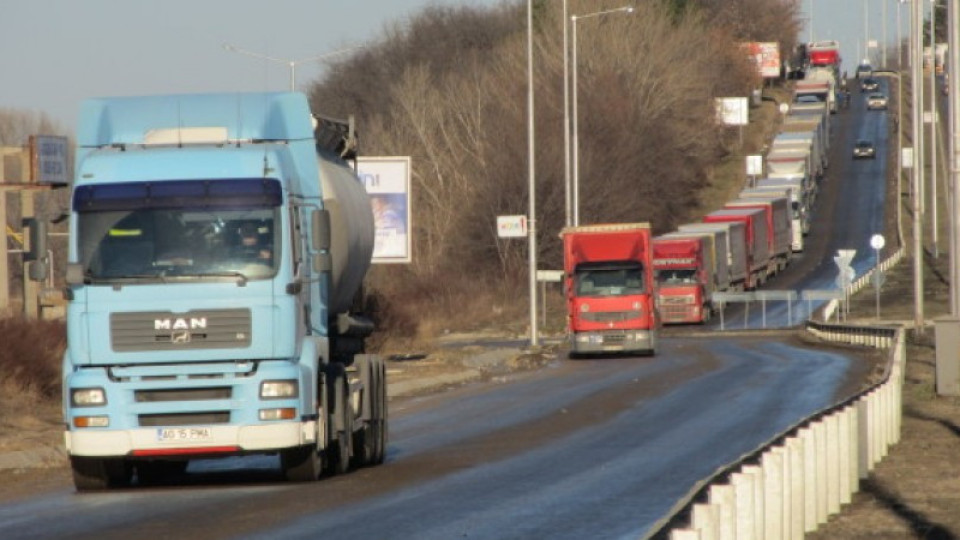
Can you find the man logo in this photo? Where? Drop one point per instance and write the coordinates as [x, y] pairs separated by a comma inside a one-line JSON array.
[[180, 323], [180, 337]]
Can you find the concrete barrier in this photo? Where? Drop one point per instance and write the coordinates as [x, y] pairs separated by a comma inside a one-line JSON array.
[[792, 485]]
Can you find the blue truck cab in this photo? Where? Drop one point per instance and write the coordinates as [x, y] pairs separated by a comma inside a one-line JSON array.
[[217, 246]]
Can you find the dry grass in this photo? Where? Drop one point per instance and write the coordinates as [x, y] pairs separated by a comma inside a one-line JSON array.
[[30, 358]]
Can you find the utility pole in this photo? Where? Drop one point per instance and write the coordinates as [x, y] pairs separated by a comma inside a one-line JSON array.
[[934, 234], [916, 40], [953, 106]]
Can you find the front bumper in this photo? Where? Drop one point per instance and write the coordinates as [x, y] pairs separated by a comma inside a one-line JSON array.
[[613, 341]]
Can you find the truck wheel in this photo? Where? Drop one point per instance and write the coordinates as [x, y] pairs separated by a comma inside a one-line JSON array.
[[307, 463], [381, 410], [365, 439], [340, 418], [94, 474]]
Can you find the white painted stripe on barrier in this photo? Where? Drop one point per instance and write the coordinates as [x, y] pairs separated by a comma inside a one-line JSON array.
[[809, 479], [854, 451], [863, 421], [684, 534], [832, 429], [772, 495], [820, 437], [743, 486], [705, 518], [756, 474], [843, 456], [797, 497], [724, 497]]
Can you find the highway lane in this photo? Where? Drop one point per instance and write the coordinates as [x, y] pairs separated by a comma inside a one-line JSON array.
[[597, 448], [850, 209]]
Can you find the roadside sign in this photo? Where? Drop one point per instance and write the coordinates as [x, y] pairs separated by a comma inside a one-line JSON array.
[[512, 226], [877, 241], [48, 159], [550, 275]]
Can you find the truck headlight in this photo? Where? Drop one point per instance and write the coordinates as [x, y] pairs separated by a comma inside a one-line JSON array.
[[88, 397], [278, 389]]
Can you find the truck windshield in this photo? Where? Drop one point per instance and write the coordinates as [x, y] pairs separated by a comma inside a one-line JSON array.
[[677, 277], [179, 228], [609, 280]]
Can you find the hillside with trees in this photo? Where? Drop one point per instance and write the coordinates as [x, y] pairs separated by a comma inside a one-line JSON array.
[[448, 88]]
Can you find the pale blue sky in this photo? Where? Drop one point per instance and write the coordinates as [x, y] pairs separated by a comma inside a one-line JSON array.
[[55, 53], [845, 21]]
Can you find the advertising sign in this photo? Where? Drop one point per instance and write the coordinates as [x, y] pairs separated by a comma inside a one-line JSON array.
[[512, 226], [766, 56], [387, 180]]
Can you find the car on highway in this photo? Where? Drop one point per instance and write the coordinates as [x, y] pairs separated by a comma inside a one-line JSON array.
[[876, 101], [869, 84], [864, 149], [864, 70]]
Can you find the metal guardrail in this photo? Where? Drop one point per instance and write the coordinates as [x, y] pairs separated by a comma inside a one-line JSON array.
[[794, 482]]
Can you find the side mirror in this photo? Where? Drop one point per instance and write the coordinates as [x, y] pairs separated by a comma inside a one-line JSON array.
[[320, 228]]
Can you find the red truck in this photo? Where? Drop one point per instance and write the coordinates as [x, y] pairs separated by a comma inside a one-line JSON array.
[[757, 240], [824, 53], [685, 270], [610, 288], [778, 213]]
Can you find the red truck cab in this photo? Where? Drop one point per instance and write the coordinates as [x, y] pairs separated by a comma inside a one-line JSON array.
[[684, 270], [610, 288]]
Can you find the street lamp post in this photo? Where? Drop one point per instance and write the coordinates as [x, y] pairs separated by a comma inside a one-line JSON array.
[[292, 64], [916, 83], [566, 121], [953, 106], [934, 235], [532, 185], [576, 142]]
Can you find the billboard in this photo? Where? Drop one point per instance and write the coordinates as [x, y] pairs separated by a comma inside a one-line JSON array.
[[387, 180], [766, 57]]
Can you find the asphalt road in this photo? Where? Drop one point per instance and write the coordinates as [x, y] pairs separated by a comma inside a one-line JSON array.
[[587, 448]]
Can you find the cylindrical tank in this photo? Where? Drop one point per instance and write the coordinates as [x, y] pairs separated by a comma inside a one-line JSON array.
[[351, 229]]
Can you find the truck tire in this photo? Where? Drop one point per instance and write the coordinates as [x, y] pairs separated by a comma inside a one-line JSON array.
[[340, 419], [95, 474], [365, 438], [307, 463], [381, 411], [370, 442]]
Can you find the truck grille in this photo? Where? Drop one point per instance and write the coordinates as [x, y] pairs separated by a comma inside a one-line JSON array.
[[168, 331], [182, 394], [614, 339], [674, 313], [184, 419], [610, 316]]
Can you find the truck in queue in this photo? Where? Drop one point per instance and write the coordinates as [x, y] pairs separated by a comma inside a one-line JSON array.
[[610, 288], [759, 265], [798, 217], [730, 243], [217, 249], [685, 268], [778, 215]]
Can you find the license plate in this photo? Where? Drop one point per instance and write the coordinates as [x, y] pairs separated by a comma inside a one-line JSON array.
[[184, 434]]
